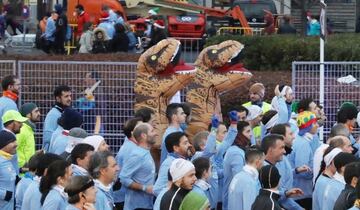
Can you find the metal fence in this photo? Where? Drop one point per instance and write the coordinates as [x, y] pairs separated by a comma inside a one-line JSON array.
[[114, 97], [306, 83]]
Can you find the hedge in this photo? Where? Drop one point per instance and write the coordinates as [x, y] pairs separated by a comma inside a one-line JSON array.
[[277, 52]]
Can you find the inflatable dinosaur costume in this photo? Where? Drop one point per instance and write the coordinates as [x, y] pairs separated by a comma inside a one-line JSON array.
[[218, 71], [159, 76]]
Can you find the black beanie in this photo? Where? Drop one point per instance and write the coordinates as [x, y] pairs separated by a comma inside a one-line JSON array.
[[343, 159], [6, 138], [269, 177], [70, 118]]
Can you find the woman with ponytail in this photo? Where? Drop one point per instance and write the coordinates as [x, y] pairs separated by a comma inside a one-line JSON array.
[[326, 173], [81, 192], [234, 159], [52, 186]]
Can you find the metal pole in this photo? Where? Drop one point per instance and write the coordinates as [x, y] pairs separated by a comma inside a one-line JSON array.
[[322, 58]]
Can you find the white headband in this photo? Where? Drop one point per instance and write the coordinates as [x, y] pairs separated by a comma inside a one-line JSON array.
[[330, 157], [254, 112], [283, 91], [271, 123]]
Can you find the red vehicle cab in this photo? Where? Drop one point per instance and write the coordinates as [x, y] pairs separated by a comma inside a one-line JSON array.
[[192, 26]]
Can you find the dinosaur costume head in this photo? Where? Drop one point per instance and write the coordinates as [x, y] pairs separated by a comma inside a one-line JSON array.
[[219, 71], [160, 74]]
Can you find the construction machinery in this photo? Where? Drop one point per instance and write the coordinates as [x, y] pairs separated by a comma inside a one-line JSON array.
[[183, 19]]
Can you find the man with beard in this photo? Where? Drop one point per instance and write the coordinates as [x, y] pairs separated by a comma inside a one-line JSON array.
[[63, 100], [26, 138], [178, 146], [7, 170], [12, 123], [138, 171], [11, 88], [183, 177]]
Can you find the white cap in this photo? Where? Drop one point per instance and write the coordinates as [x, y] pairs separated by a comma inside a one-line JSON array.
[[179, 167], [358, 119], [330, 157], [254, 112], [94, 141]]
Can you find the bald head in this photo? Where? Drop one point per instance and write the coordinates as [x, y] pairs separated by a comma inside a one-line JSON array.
[[141, 128], [342, 143]]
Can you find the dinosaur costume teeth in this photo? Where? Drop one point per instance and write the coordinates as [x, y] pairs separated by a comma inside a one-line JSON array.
[[218, 72], [160, 74]]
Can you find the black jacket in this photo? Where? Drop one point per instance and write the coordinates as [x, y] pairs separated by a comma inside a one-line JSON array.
[[172, 198], [346, 198], [266, 200]]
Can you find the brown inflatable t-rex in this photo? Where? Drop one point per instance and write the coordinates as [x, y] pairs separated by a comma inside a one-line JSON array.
[[159, 76], [218, 71]]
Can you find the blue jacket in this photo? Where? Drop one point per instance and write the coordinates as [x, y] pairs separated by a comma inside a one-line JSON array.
[[71, 207], [55, 200], [50, 125], [162, 180], [164, 151], [6, 104], [59, 144], [21, 187], [243, 190], [286, 183], [50, 29], [216, 179], [302, 154], [7, 183], [234, 161], [123, 154], [331, 193], [138, 168], [319, 195], [158, 199], [104, 199], [32, 196], [79, 171], [202, 188]]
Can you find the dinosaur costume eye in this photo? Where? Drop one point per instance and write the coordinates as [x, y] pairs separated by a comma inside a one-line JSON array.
[[213, 51], [153, 57]]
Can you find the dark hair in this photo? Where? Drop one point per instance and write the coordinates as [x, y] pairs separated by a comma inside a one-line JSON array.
[[77, 184], [171, 110], [144, 113], [242, 109], [130, 125], [240, 139], [44, 161], [280, 129], [351, 170], [267, 116], [253, 153], [342, 159], [187, 108], [270, 141], [202, 164], [34, 161], [59, 89], [80, 151], [79, 7], [269, 176], [7, 81], [55, 170], [98, 161], [119, 28], [346, 113], [86, 27], [304, 104], [220, 123], [357, 189], [173, 139]]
